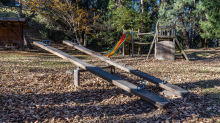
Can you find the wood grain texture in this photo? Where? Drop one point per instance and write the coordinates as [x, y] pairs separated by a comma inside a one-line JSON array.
[[166, 50], [175, 89], [145, 34], [141, 43], [181, 50], [147, 96]]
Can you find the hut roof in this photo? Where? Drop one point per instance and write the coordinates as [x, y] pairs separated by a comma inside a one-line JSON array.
[[13, 23]]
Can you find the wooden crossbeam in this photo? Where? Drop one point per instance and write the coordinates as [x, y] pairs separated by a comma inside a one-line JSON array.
[[147, 96], [165, 36], [145, 34], [148, 77], [14, 31], [166, 27], [141, 43]]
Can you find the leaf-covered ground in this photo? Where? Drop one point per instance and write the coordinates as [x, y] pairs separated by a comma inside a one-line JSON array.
[[35, 87]]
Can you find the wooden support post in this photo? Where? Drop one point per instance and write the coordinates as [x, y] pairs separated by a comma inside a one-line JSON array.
[[152, 45], [76, 77], [132, 40], [168, 32], [155, 53], [123, 46], [123, 50], [139, 47], [78, 70], [155, 49], [172, 32], [113, 70]]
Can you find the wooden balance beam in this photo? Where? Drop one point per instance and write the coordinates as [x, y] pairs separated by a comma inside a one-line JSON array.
[[170, 87], [125, 85]]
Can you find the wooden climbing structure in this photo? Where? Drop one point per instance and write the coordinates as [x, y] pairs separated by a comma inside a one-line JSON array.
[[164, 42]]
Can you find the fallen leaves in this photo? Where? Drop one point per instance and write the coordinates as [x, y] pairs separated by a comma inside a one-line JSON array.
[[49, 95]]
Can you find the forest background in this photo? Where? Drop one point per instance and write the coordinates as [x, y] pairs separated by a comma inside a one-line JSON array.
[[99, 23]]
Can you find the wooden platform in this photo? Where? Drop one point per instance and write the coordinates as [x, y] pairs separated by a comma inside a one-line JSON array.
[[175, 89], [147, 96]]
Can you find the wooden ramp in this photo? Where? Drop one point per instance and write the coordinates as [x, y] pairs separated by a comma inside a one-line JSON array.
[[147, 96], [175, 89]]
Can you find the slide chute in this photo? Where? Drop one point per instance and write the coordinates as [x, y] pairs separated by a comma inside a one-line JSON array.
[[125, 37]]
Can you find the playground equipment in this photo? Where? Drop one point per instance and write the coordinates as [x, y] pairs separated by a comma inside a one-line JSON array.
[[164, 41], [133, 42], [46, 42], [125, 37], [125, 85], [158, 82]]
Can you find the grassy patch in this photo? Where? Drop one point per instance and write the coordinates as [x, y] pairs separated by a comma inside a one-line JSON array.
[[6, 66]]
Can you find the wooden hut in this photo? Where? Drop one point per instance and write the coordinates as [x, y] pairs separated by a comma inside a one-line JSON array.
[[11, 32]]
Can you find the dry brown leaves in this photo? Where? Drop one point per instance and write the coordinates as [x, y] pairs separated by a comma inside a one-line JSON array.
[[31, 91]]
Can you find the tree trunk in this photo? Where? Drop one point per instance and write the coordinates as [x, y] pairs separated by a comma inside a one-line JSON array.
[[142, 8], [218, 43], [77, 38], [185, 34], [186, 38], [27, 41], [85, 40], [205, 42], [202, 42], [81, 38], [109, 22], [20, 9], [192, 35]]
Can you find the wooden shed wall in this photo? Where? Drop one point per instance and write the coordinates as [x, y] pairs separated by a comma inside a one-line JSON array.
[[8, 36]]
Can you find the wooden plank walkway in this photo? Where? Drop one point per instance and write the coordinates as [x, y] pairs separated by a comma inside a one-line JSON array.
[[147, 96], [173, 88]]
